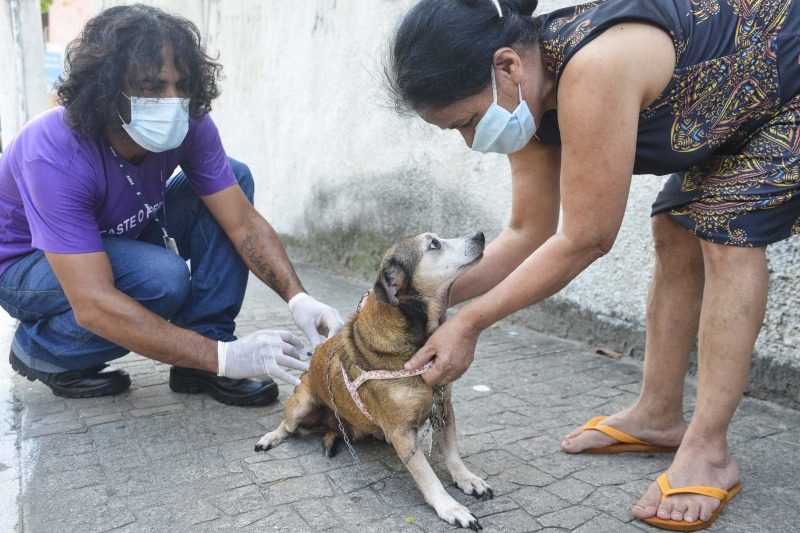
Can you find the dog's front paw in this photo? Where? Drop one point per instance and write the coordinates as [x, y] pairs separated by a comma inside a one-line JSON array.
[[270, 440], [475, 486], [456, 514]]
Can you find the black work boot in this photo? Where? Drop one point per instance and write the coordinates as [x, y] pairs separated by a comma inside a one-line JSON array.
[[252, 392], [85, 383]]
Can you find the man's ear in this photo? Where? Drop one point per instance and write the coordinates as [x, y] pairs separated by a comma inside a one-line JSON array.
[[391, 282]]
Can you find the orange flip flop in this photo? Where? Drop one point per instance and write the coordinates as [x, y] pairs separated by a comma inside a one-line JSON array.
[[627, 443], [724, 496]]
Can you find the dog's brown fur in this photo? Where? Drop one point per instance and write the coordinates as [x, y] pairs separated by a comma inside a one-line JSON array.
[[406, 305]]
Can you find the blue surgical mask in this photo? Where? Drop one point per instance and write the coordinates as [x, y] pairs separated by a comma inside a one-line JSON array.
[[501, 131], [157, 124]]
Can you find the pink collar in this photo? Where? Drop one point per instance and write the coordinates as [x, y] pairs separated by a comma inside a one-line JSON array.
[[353, 386]]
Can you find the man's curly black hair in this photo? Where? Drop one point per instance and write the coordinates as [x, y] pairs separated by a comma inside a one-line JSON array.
[[125, 44]]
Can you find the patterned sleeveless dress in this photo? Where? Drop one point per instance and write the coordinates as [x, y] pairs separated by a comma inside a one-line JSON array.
[[727, 127]]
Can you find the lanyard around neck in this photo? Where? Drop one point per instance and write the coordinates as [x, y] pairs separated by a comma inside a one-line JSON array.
[[169, 242]]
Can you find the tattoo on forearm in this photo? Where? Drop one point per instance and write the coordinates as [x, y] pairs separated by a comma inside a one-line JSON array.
[[251, 253]]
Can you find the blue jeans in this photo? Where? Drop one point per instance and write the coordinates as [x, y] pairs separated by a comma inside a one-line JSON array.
[[204, 296]]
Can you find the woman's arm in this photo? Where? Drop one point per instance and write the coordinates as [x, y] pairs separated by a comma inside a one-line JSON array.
[[534, 218], [601, 93]]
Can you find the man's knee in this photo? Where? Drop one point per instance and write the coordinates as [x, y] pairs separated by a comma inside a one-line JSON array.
[[167, 288], [244, 177]]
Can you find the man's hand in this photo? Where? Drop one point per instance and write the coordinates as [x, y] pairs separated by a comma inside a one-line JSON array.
[[453, 345], [261, 353], [315, 318]]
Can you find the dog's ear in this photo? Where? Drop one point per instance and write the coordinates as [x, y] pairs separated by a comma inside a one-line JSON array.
[[391, 282]]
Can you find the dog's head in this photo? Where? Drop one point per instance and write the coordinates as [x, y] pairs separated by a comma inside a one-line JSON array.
[[416, 274]]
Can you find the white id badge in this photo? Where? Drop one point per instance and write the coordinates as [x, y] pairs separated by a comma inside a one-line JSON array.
[[170, 244]]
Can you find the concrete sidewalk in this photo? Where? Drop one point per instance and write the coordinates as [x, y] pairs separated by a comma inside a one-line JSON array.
[[153, 460]]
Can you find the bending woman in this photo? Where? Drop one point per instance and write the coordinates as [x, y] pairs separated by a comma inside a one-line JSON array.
[[580, 99]]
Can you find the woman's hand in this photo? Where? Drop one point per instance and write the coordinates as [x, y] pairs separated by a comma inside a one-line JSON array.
[[453, 346]]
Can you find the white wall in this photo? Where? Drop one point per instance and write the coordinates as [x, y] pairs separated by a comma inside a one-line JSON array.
[[22, 82]]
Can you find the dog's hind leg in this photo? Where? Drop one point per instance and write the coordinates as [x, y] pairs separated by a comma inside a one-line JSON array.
[[448, 509], [463, 478], [330, 443], [302, 409]]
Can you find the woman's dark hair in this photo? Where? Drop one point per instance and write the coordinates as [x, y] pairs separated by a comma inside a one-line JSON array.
[[443, 49], [124, 44]]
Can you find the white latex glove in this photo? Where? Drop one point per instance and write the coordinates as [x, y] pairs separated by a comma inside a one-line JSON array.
[[261, 353], [314, 318]]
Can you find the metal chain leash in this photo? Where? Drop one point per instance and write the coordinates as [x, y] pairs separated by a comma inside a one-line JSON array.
[[437, 419], [336, 412]]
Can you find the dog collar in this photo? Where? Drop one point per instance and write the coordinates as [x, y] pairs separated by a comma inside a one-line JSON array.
[[363, 301], [352, 386]]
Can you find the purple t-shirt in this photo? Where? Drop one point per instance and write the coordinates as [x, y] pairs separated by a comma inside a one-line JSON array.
[[61, 191]]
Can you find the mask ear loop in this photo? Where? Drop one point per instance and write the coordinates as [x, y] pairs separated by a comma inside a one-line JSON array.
[[499, 9], [494, 88]]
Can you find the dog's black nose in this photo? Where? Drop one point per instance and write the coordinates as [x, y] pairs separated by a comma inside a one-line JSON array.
[[479, 237]]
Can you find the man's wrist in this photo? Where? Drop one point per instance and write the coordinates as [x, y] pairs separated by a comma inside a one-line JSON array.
[[294, 299]]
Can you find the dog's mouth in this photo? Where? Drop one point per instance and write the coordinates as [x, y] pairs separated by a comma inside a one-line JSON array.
[[471, 263]]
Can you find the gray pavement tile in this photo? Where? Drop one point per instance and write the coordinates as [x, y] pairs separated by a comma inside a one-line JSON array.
[[527, 476], [152, 460], [317, 514], [181, 516], [514, 521], [569, 517], [606, 524], [275, 470], [298, 488], [239, 500]]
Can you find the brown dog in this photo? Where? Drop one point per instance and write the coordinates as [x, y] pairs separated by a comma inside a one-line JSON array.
[[404, 307]]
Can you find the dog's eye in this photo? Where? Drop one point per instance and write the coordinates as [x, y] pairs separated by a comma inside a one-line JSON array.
[[434, 245]]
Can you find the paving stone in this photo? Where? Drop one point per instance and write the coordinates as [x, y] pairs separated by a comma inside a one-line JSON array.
[[357, 477], [317, 514], [527, 475], [537, 502], [572, 490], [239, 500], [180, 516], [605, 524], [569, 517], [275, 470], [516, 521], [299, 488]]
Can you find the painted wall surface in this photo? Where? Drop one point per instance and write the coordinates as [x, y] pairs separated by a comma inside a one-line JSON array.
[[22, 83], [304, 105]]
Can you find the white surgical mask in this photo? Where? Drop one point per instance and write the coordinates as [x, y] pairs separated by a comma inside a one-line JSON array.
[[157, 124], [501, 131]]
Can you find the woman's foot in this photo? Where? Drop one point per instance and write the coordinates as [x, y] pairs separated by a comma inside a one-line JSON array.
[[658, 429], [696, 463]]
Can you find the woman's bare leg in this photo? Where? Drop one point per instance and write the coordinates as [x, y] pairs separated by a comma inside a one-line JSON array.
[[734, 303], [673, 311]]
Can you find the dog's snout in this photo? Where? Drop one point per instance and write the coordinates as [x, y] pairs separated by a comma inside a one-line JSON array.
[[479, 237]]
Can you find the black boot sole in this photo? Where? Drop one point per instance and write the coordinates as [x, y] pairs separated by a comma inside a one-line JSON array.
[[30, 374], [192, 385]]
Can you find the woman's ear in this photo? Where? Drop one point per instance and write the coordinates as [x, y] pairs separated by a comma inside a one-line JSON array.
[[507, 62]]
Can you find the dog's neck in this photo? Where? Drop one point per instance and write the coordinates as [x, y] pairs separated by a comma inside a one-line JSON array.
[[392, 333]]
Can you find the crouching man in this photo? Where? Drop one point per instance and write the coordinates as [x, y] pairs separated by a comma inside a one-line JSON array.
[[95, 235]]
